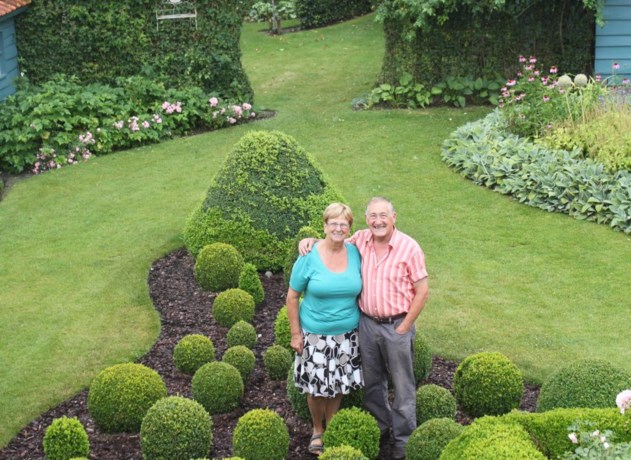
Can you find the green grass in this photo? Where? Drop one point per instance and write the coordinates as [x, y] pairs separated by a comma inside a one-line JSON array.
[[76, 244]]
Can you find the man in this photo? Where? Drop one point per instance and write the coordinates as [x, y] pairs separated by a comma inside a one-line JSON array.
[[394, 293]]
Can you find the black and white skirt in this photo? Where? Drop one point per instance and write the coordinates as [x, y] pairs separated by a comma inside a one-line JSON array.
[[329, 364]]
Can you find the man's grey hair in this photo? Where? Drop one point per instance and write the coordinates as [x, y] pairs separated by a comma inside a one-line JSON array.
[[377, 199]]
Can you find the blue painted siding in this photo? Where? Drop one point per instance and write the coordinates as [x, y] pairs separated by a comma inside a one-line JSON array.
[[613, 41], [8, 57]]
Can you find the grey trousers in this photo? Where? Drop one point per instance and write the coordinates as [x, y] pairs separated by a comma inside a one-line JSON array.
[[382, 351]]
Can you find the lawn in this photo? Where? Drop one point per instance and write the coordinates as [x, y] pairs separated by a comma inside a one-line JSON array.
[[76, 244]]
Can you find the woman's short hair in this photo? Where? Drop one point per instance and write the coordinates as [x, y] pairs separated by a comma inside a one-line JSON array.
[[336, 210]]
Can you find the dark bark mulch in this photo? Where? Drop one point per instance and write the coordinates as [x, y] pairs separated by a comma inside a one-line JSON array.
[[185, 309]]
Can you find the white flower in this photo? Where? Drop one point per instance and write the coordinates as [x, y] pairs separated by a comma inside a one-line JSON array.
[[573, 438]]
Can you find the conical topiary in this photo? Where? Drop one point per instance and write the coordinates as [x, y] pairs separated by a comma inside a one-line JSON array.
[[267, 189]]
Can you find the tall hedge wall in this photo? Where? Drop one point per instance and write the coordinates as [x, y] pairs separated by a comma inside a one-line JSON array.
[[318, 13], [99, 40], [481, 44]]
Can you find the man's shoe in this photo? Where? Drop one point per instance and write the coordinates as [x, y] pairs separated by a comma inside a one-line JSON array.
[[398, 455]]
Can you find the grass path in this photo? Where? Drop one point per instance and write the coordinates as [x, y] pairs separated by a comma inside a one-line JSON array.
[[76, 244]]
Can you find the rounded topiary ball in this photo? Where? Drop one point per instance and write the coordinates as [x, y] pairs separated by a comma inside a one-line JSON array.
[[429, 439], [342, 453], [433, 401], [192, 352], [282, 331], [218, 266], [121, 395], [241, 333], [261, 434], [232, 306], [65, 438], [489, 438], [277, 360], [218, 387], [242, 358], [354, 427], [176, 428], [250, 282], [583, 383], [422, 358], [488, 383]]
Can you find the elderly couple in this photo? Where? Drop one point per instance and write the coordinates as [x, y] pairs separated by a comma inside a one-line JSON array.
[[361, 293]]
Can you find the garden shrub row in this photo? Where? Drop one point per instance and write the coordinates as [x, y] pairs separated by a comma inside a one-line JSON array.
[[553, 180], [318, 13], [100, 41], [63, 122]]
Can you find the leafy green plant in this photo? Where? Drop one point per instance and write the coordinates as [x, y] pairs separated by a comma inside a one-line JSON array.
[[282, 332], [218, 387], [407, 94], [121, 395], [356, 428], [218, 267], [422, 358], [488, 383], [241, 333], [277, 360], [320, 13], [583, 383], [342, 453], [242, 358], [591, 443], [250, 282], [65, 438], [457, 91], [429, 439], [176, 428], [433, 401], [192, 352], [273, 13], [260, 434], [232, 306]]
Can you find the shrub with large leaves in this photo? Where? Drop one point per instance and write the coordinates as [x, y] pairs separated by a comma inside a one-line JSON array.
[[267, 190]]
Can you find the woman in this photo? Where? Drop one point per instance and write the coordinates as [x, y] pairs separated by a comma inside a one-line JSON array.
[[324, 325]]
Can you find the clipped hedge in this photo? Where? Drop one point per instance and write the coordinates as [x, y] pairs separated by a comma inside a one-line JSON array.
[[422, 358], [261, 434], [66, 438], [282, 331], [318, 13], [232, 306], [433, 401], [343, 452], [292, 250], [218, 266], [176, 428], [491, 438], [242, 358], [192, 352], [549, 430], [584, 383], [429, 439], [121, 395], [356, 428], [554, 180], [241, 333], [266, 190], [218, 387], [488, 383], [250, 282], [277, 361]]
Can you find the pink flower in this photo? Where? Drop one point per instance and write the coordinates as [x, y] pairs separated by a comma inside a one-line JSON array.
[[156, 118], [213, 101], [522, 58], [544, 80], [511, 82], [165, 105], [625, 81], [532, 59], [145, 124], [505, 93], [252, 114], [528, 67], [531, 78], [519, 74], [232, 120], [598, 78], [623, 400], [237, 110], [246, 106], [573, 438], [554, 69], [616, 66], [546, 98]]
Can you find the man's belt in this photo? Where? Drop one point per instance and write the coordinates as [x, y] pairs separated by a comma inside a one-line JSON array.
[[386, 319]]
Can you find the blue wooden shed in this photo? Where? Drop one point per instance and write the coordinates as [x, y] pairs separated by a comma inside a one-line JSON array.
[[9, 9], [613, 41]]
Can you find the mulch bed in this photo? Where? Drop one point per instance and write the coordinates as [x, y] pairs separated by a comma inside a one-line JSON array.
[[185, 309]]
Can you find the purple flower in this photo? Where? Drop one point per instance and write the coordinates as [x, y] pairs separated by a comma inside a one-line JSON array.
[[522, 58], [511, 82], [554, 69], [598, 78], [546, 98], [616, 66], [625, 81], [532, 60]]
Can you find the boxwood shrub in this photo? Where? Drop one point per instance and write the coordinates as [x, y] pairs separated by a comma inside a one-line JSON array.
[[292, 250], [554, 180], [65, 438], [218, 266], [488, 383], [433, 401], [583, 383], [422, 358], [342, 452], [282, 331], [241, 333], [318, 13], [266, 190], [232, 306], [120, 396], [356, 428], [261, 434], [218, 387], [429, 439], [192, 352], [250, 282], [242, 358], [490, 438], [277, 360], [176, 428]]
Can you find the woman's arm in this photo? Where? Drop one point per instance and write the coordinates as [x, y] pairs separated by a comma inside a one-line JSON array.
[[293, 297]]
